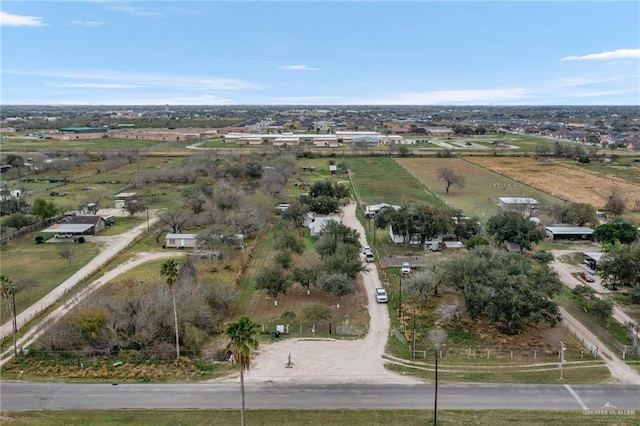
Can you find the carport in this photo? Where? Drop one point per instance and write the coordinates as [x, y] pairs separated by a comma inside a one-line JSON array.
[[75, 229]]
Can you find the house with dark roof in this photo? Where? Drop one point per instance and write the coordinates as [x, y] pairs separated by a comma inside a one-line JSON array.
[[97, 223]]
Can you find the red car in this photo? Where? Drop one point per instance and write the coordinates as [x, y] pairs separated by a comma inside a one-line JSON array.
[[587, 277]]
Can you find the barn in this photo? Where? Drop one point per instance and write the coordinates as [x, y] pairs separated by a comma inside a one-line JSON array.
[[566, 232]]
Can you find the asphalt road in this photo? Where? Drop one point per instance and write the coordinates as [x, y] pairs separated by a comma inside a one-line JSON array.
[[18, 396]]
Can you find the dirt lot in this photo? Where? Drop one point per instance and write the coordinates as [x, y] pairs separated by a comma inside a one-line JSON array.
[[562, 180]]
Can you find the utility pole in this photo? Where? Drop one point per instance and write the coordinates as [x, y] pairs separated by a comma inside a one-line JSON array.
[[400, 299], [560, 365]]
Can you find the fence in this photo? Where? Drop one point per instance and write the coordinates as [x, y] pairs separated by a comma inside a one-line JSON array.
[[319, 329]]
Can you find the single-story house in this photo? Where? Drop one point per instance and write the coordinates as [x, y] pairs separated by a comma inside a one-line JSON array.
[[365, 141], [373, 209], [10, 193], [98, 223], [180, 241], [317, 222], [567, 232], [414, 240]]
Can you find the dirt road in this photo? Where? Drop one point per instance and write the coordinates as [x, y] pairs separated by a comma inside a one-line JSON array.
[[328, 360], [620, 371]]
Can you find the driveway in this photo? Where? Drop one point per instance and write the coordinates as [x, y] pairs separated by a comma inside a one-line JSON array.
[[330, 360]]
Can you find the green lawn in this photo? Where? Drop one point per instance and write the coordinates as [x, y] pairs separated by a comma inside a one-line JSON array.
[[315, 417], [383, 180], [39, 268]]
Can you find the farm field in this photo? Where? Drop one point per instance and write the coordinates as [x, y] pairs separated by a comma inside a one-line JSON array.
[[479, 196], [383, 180], [566, 181]]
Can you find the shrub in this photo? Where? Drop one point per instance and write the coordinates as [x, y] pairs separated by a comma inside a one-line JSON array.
[[288, 315], [81, 240], [39, 239]]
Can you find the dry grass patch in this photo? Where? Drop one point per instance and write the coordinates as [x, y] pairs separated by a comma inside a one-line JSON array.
[[564, 180]]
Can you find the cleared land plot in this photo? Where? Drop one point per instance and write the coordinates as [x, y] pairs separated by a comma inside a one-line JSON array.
[[383, 180], [568, 182], [479, 196]]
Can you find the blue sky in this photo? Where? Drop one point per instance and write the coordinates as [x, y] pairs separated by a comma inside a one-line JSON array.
[[320, 53]]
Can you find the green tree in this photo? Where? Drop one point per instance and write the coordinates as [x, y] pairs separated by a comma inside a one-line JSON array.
[[274, 280], [580, 214], [305, 275], [169, 271], [287, 238], [44, 209], [18, 221], [615, 204], [511, 226], [618, 230], [621, 266], [345, 259], [337, 284], [241, 343], [8, 293], [505, 287], [333, 234]]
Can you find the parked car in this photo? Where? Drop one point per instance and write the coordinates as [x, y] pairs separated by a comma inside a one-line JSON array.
[[369, 257], [381, 295], [405, 269], [64, 235], [587, 277], [366, 249]]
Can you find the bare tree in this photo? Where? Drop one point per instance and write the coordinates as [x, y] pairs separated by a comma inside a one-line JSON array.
[[175, 219], [615, 204], [450, 178], [67, 253]]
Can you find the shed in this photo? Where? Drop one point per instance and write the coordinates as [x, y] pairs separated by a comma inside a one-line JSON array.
[[592, 258], [181, 241], [520, 204], [453, 244], [122, 198], [565, 232]]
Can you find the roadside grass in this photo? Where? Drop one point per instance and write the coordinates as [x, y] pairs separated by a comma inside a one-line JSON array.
[[479, 196], [383, 180], [622, 298], [121, 224], [582, 373], [621, 168], [38, 268], [315, 417]]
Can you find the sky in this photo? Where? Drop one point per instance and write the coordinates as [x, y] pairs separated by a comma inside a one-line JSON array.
[[320, 52]]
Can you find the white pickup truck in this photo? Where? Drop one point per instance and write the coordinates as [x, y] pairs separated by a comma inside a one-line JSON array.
[[381, 295]]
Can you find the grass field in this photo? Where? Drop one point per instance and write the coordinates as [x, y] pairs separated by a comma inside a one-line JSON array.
[[479, 196], [316, 417], [383, 180], [39, 268], [26, 144]]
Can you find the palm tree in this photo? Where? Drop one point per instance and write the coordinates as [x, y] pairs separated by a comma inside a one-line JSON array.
[[170, 272], [8, 292], [241, 342]]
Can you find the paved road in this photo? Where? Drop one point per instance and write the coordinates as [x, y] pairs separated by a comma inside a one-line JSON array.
[[17, 396]]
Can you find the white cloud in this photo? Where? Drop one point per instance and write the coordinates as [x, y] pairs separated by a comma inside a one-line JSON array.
[[159, 99], [11, 20], [168, 81], [613, 54], [88, 23], [581, 81], [600, 93], [131, 10], [298, 68], [96, 85]]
